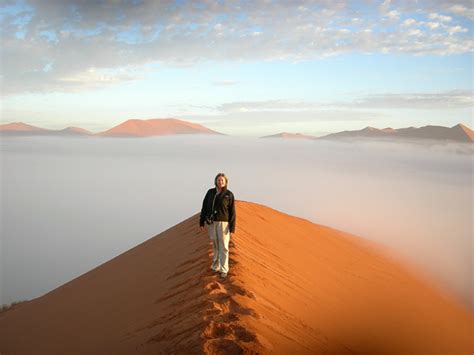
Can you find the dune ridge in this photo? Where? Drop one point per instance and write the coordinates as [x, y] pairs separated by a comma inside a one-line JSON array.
[[155, 127], [293, 287], [23, 129]]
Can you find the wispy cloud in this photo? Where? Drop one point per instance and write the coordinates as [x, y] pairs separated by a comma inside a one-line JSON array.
[[269, 105], [428, 101], [270, 117], [55, 45], [367, 109], [462, 9], [455, 99], [225, 82]]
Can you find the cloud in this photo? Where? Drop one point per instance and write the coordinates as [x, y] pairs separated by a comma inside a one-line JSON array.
[[408, 22], [93, 78], [455, 99], [394, 15], [435, 16], [416, 199], [462, 10], [71, 38], [268, 105], [269, 118], [368, 108], [225, 82]]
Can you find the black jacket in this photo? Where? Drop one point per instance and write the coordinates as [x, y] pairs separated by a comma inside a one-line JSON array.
[[224, 207]]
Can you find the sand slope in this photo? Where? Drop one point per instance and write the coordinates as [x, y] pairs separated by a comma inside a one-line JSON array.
[[155, 127], [23, 129], [293, 287]]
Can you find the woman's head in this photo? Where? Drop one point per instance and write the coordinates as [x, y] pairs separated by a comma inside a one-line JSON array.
[[221, 180]]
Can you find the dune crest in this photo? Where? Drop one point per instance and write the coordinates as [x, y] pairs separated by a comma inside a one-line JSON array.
[[293, 287], [155, 127], [288, 135]]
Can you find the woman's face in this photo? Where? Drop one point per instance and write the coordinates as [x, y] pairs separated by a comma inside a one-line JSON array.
[[220, 182]]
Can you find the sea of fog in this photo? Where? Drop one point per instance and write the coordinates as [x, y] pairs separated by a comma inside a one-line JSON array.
[[70, 204]]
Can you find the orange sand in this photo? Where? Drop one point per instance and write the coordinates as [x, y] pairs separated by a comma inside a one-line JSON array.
[[294, 287], [155, 127]]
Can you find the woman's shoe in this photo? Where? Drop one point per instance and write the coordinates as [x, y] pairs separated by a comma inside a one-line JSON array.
[[224, 274]]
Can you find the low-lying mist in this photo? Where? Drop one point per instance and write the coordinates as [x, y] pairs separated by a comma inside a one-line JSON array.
[[70, 204]]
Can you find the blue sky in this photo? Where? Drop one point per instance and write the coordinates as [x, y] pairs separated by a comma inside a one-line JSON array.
[[242, 68]]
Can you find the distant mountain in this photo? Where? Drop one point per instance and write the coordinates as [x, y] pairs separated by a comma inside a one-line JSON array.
[[286, 135], [155, 127], [172, 126], [459, 133], [20, 126], [74, 131], [129, 128], [23, 129]]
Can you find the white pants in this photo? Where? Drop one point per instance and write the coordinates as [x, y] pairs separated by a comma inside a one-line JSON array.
[[220, 236]]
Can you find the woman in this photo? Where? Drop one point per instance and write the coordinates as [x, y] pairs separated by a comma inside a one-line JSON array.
[[218, 211]]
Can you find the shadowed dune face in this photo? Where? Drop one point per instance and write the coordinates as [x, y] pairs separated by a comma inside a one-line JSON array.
[[293, 287]]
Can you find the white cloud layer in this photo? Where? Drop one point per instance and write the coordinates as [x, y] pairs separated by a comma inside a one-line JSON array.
[[414, 199]]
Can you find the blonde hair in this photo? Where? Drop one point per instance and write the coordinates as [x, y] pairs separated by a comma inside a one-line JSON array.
[[224, 176]]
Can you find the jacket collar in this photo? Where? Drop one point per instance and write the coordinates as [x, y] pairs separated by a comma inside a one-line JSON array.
[[224, 189]]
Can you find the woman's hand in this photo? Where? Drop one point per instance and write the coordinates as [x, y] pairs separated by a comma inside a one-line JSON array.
[[202, 228]]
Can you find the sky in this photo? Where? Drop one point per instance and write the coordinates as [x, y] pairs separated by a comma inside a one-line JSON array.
[[244, 68]]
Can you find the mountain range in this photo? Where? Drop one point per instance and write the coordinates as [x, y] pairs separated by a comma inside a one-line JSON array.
[[458, 133], [173, 126], [129, 128]]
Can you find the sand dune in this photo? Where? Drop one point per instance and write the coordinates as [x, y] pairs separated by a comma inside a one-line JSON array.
[[129, 128], [19, 126], [155, 127], [23, 129], [293, 287]]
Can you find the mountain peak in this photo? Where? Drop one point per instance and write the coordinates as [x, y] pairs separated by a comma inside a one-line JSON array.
[[464, 131], [155, 127], [75, 130], [288, 135], [369, 128], [19, 126]]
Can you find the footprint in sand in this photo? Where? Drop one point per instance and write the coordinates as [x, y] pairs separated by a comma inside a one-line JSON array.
[[225, 332]]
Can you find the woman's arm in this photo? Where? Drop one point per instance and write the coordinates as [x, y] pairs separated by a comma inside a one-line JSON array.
[[232, 214], [203, 214]]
